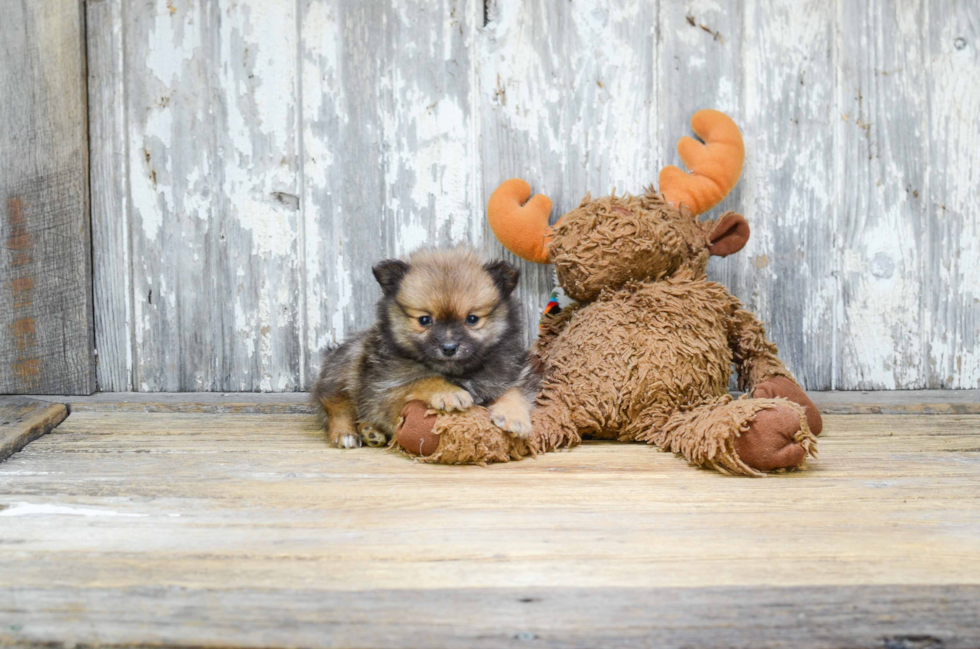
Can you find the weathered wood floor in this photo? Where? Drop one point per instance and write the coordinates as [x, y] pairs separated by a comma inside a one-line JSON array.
[[122, 527]]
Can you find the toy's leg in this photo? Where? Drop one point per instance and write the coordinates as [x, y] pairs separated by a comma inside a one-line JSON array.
[[468, 437], [747, 437], [760, 372]]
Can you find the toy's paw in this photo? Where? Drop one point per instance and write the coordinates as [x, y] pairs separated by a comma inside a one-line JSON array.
[[450, 400], [372, 436], [775, 440], [415, 431], [511, 417], [780, 386], [347, 440]]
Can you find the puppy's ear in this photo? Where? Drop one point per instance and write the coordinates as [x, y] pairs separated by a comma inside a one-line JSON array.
[[504, 275], [389, 274]]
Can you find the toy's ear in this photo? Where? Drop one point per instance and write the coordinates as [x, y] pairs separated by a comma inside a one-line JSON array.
[[729, 235], [389, 274], [504, 275]]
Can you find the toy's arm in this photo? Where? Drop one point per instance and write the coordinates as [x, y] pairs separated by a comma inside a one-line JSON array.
[[755, 356], [760, 372], [551, 327]]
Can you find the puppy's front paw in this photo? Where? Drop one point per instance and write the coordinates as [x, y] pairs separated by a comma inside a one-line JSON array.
[[451, 400], [511, 417], [347, 440]]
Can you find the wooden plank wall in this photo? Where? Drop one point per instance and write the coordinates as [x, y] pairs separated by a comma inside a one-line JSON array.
[[252, 160], [46, 343]]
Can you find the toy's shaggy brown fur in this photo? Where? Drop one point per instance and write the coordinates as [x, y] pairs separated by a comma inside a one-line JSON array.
[[646, 355]]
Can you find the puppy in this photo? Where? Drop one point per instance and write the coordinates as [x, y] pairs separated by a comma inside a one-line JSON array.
[[449, 332]]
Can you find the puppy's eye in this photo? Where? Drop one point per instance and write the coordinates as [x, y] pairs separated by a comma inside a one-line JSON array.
[[425, 320], [472, 319]]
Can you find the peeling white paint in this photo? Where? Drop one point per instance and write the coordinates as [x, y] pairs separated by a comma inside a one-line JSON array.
[[344, 287], [175, 40], [407, 114], [411, 237]]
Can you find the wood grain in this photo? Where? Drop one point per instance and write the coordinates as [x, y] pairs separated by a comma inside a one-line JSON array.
[[903, 617], [250, 528], [112, 270], [46, 344], [786, 274], [951, 273], [22, 420], [891, 402], [212, 149], [273, 184]]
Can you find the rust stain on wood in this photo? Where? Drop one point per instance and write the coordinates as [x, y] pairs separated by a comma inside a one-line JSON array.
[[27, 367], [26, 370], [24, 332], [19, 238]]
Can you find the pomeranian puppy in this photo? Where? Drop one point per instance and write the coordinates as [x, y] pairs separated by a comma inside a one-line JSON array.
[[449, 333]]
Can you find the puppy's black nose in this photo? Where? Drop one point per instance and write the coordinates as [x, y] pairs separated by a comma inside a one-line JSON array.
[[448, 349]]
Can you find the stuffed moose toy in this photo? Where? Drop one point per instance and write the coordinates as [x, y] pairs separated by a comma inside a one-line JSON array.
[[645, 352]]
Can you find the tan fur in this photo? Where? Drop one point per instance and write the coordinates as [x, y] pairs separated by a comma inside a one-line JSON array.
[[512, 413], [448, 334], [341, 417], [437, 393], [447, 284]]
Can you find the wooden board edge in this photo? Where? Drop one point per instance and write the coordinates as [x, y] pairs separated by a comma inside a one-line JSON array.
[[920, 617], [898, 402], [38, 424]]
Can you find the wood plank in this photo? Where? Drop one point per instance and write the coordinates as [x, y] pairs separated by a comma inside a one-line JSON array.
[[884, 153], [112, 275], [820, 617], [259, 259], [898, 402], [962, 402], [787, 272], [342, 203], [170, 131], [390, 148], [258, 501], [214, 175], [190, 402], [45, 256], [22, 420], [951, 273], [123, 528]]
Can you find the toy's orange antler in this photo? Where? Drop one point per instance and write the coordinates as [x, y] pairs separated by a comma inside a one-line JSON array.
[[520, 224], [715, 165]]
